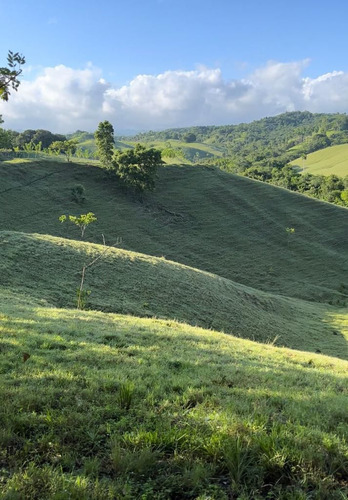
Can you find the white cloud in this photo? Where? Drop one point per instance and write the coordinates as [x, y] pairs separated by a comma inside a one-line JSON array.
[[64, 99]]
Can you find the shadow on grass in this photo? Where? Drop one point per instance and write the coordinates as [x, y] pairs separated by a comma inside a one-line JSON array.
[[129, 283]]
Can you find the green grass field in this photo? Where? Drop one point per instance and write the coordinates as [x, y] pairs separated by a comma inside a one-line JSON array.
[[133, 399], [140, 285], [112, 406], [198, 216], [328, 161], [192, 151]]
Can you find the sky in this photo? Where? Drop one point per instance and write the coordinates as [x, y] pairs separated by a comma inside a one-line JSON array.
[[155, 64]]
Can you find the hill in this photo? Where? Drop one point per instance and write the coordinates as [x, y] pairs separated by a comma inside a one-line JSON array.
[[98, 405], [328, 161], [202, 217], [109, 406], [269, 140], [49, 268]]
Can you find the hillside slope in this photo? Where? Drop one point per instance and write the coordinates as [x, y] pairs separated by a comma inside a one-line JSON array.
[[49, 268], [198, 216], [328, 161], [109, 406]]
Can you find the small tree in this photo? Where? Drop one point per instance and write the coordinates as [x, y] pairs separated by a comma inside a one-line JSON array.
[[66, 148], [137, 167], [105, 141], [82, 221]]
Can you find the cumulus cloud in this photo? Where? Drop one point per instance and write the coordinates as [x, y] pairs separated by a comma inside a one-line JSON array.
[[64, 99]]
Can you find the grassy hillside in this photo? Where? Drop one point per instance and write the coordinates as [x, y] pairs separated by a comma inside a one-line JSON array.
[[202, 217], [328, 161], [50, 268], [98, 405], [109, 406]]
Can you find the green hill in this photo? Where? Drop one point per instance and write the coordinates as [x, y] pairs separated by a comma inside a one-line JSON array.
[[50, 268], [145, 403], [110, 406], [328, 161], [198, 216]]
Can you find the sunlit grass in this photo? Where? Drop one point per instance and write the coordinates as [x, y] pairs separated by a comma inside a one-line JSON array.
[[113, 406], [329, 161], [49, 268]]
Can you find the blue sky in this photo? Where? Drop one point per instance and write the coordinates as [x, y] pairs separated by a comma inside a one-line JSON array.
[[219, 54]]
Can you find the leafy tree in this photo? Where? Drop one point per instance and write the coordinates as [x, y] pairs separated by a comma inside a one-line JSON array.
[[9, 75], [66, 148], [105, 141], [25, 137], [190, 137], [137, 167], [7, 139], [344, 196], [82, 221], [44, 136]]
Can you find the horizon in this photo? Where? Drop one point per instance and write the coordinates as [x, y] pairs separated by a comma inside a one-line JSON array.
[[130, 133]]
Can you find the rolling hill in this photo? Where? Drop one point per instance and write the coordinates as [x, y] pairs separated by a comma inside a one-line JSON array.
[[202, 217], [328, 161], [126, 282], [133, 399]]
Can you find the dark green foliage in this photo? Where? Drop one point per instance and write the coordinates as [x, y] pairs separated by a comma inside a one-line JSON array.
[[9, 74], [78, 193], [137, 167], [105, 141], [264, 144], [329, 188], [7, 138], [35, 136], [317, 141], [190, 137]]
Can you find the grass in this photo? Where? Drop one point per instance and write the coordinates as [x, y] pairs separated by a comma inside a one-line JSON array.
[[126, 401], [131, 283], [201, 217], [328, 161], [112, 406]]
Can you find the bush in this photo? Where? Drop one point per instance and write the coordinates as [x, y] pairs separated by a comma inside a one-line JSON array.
[[78, 193]]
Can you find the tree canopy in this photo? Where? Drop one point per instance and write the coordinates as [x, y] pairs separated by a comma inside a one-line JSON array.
[[10, 73], [105, 141], [137, 167], [66, 148]]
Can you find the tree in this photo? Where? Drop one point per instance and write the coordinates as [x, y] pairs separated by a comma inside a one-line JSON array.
[[190, 137], [7, 139], [344, 197], [104, 137], [66, 148], [9, 75], [137, 167], [82, 221]]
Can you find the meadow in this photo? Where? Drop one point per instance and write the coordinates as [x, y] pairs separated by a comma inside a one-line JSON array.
[[328, 161], [111, 406], [210, 361]]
